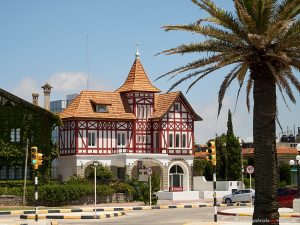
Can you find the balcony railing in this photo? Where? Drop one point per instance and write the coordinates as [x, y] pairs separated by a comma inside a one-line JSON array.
[[175, 151]]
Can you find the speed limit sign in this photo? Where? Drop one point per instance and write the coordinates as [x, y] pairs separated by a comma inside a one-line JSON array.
[[250, 169], [149, 171]]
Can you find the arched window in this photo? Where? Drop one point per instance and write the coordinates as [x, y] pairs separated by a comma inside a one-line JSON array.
[[176, 176], [177, 141], [183, 141], [170, 140]]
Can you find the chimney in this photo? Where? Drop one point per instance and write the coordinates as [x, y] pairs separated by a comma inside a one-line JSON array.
[[35, 99], [47, 91]]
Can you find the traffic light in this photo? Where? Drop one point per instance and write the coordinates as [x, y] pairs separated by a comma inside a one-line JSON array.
[[211, 154], [34, 156], [40, 159]]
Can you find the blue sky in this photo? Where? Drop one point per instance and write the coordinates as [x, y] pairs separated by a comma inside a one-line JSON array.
[[46, 41]]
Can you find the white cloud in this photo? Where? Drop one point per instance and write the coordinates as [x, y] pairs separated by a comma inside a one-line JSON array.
[[68, 81], [25, 88]]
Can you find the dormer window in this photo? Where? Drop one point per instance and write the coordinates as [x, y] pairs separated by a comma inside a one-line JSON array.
[[101, 108]]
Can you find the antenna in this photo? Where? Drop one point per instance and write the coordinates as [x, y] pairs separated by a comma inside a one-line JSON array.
[[87, 62]]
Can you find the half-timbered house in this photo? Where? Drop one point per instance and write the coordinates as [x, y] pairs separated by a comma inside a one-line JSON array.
[[134, 126]]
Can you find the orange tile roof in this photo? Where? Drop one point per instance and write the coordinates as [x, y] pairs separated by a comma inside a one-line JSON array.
[[280, 150], [163, 103], [200, 154], [137, 80], [82, 106]]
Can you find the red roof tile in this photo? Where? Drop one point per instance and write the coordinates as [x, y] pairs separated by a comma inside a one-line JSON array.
[[82, 106], [137, 80]]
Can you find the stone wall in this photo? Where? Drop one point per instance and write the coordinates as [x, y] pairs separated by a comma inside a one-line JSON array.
[[10, 200], [13, 200], [89, 200]]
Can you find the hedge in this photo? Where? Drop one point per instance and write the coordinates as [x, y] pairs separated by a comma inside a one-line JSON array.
[[62, 194], [15, 183]]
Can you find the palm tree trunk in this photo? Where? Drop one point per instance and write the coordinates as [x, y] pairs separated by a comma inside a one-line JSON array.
[[265, 159]]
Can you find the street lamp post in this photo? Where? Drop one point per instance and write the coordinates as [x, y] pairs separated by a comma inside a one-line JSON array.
[[95, 163], [242, 165], [297, 163]]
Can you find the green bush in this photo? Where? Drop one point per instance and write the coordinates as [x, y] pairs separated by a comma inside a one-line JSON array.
[[104, 190], [121, 187], [15, 183], [247, 182], [103, 173], [136, 185], [60, 194], [285, 174], [76, 180], [11, 191]]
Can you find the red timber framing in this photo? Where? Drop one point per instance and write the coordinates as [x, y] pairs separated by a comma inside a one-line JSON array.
[[176, 130], [96, 137], [171, 134], [142, 105]]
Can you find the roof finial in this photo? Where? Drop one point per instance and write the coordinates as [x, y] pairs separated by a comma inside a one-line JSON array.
[[137, 54]]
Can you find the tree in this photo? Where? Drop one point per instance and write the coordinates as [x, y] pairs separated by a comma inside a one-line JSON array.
[[221, 157], [103, 173], [260, 42], [233, 153]]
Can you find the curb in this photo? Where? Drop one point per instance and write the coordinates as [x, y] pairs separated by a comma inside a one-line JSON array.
[[82, 217], [129, 208], [285, 215]]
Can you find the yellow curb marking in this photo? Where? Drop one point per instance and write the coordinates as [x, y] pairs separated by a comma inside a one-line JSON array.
[[16, 212], [65, 210]]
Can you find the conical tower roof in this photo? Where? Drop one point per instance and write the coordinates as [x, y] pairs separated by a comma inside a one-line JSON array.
[[137, 79]]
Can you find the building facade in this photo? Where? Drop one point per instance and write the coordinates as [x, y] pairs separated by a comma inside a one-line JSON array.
[[22, 125], [130, 130]]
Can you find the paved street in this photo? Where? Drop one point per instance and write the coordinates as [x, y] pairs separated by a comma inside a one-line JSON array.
[[168, 216]]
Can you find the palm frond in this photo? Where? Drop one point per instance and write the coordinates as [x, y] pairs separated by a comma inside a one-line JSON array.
[[196, 64], [226, 82], [246, 19], [288, 9], [282, 83], [205, 71], [292, 78], [212, 46], [209, 31], [221, 64], [241, 73], [224, 18], [248, 90]]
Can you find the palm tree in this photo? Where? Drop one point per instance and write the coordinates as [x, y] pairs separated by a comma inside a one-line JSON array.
[[261, 42]]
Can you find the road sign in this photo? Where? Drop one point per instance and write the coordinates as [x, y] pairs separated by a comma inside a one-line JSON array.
[[149, 171], [250, 169]]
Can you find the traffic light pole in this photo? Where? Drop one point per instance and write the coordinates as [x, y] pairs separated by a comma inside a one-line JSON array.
[[36, 194], [215, 194]]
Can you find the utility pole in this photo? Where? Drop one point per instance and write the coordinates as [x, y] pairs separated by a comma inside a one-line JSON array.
[[215, 193], [25, 172]]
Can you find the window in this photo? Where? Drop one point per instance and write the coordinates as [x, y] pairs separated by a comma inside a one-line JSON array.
[[148, 139], [170, 140], [183, 140], [176, 107], [177, 140], [3, 172], [156, 140], [91, 139], [101, 108], [176, 176], [121, 139], [15, 135], [141, 111]]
